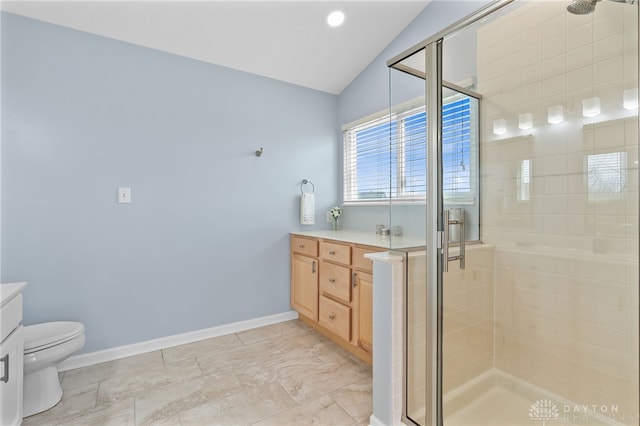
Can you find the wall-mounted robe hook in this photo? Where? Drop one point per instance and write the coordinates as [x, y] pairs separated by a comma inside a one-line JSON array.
[[259, 152]]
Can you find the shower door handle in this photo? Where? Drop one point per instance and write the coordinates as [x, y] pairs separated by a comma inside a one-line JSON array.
[[445, 240]]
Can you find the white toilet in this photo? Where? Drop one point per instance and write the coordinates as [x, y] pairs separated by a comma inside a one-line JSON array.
[[45, 346]]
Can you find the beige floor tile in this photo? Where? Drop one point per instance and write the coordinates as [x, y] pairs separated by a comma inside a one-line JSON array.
[[212, 414], [74, 401], [152, 379], [321, 380], [296, 341], [201, 349], [119, 414], [321, 411], [286, 328], [277, 365], [237, 358], [106, 370], [224, 381], [157, 405], [356, 399], [170, 420], [329, 352], [241, 408]]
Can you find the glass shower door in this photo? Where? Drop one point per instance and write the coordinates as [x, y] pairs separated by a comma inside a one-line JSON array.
[[540, 326]]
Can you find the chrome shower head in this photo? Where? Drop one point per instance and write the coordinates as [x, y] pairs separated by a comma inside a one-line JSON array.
[[582, 7]]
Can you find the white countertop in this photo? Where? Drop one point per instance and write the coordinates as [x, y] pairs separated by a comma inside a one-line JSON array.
[[9, 291], [366, 238]]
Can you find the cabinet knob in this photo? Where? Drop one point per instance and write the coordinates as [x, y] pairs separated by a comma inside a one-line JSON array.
[[332, 252], [354, 280], [301, 246], [332, 317], [332, 280]]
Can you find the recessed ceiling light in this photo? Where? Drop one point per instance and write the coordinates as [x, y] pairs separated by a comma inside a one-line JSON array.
[[335, 18]]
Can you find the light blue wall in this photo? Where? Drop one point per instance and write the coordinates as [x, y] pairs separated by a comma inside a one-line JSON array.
[[205, 241], [369, 94]]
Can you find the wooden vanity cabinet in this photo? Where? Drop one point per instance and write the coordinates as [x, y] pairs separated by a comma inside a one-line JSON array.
[[332, 290]]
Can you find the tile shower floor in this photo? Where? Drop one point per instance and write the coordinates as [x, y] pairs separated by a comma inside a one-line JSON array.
[[282, 374], [498, 400]]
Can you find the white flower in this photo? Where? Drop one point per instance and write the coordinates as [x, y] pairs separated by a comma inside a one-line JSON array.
[[335, 212]]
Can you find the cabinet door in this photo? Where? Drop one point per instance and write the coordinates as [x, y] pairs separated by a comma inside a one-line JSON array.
[[11, 375], [363, 285], [304, 285]]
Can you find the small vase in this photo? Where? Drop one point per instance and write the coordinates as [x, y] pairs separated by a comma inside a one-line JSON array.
[[336, 224]]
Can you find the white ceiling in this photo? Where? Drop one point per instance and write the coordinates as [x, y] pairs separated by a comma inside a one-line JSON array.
[[284, 40]]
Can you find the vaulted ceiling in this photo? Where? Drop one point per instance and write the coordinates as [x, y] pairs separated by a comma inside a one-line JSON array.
[[285, 40]]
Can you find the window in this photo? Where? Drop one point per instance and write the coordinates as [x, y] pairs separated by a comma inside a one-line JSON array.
[[524, 180], [607, 176], [385, 158]]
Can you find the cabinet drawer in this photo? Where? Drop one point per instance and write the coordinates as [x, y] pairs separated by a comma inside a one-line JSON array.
[[304, 246], [335, 252], [336, 281], [361, 262], [335, 317]]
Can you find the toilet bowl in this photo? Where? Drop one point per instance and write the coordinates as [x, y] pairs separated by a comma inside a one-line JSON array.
[[45, 346]]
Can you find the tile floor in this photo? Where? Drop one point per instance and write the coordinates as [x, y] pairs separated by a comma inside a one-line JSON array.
[[282, 374], [499, 400]]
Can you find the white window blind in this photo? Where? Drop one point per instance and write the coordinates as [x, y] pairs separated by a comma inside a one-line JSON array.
[[459, 148], [386, 158], [369, 160], [411, 142]]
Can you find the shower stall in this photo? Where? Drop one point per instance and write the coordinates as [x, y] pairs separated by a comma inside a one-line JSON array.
[[525, 311]]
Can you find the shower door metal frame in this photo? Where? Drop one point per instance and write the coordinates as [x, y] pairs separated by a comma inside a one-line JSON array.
[[435, 256]]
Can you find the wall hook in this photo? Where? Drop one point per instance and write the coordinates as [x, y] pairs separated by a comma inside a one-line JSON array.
[[259, 152]]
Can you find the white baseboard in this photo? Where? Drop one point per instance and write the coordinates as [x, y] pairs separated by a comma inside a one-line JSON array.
[[374, 421], [91, 358]]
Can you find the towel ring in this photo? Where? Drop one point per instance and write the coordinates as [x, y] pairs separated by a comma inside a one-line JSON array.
[[304, 182]]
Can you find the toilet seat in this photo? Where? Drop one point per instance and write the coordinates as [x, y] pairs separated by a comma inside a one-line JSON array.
[[42, 336]]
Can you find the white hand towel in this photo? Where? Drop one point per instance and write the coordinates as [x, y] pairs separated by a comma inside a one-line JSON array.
[[307, 209]]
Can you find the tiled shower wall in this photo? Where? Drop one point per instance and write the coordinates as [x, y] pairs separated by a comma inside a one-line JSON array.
[[467, 327], [468, 317], [564, 222]]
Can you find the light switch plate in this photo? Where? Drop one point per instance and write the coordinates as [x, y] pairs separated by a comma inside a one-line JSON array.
[[124, 195]]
